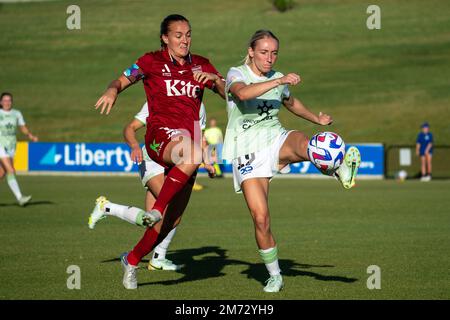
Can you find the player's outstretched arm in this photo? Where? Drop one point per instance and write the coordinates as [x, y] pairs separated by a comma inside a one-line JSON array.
[[28, 133], [129, 133], [109, 97], [298, 108], [244, 92]]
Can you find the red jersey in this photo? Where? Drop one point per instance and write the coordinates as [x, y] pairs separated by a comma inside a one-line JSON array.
[[173, 96]]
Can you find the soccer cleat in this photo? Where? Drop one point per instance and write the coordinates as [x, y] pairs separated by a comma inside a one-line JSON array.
[[163, 264], [151, 217], [274, 284], [99, 212], [129, 273], [24, 200], [348, 170]]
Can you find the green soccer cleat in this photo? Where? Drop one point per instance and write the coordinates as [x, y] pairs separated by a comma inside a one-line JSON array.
[[151, 217], [274, 284], [163, 264], [348, 170], [24, 201], [99, 212]]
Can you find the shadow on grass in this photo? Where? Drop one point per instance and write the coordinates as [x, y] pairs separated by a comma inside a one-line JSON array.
[[290, 268], [208, 262], [31, 203]]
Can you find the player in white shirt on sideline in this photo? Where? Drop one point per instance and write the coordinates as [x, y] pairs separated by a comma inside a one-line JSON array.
[[152, 177], [10, 119]]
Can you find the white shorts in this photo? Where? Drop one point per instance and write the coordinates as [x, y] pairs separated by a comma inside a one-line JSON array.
[[7, 153], [260, 164], [148, 168]]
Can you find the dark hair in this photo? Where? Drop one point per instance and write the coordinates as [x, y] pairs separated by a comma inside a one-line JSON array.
[[4, 94], [258, 35], [164, 29]]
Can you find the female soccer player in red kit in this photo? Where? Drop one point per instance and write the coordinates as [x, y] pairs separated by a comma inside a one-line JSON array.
[[174, 81]]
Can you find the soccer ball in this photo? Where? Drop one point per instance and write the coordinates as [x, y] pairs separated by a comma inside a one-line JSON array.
[[326, 151]]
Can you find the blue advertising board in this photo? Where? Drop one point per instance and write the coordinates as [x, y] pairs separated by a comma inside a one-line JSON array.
[[115, 157], [80, 157]]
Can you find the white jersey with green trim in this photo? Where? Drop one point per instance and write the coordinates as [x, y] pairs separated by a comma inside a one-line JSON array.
[[143, 114], [9, 120], [252, 124]]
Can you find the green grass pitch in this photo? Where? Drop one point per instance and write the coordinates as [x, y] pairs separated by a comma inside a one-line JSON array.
[[378, 86], [327, 238]]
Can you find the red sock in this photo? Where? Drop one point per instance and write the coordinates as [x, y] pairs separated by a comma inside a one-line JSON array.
[[148, 242], [174, 182]]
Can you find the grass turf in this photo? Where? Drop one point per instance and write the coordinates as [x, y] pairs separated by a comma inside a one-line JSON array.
[[378, 85], [327, 238]]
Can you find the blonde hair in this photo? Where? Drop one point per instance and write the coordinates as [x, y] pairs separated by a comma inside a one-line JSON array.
[[258, 35]]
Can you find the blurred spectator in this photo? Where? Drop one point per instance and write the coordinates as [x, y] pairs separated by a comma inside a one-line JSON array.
[[424, 149], [214, 137]]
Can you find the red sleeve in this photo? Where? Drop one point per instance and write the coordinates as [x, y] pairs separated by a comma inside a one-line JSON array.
[[145, 63]]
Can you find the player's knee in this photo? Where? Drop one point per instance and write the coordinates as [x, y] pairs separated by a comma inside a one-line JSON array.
[[190, 153]]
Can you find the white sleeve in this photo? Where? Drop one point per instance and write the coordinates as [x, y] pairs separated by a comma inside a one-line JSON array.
[[202, 116], [143, 114], [20, 119], [234, 75]]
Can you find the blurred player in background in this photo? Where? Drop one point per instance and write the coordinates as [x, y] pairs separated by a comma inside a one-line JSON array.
[[424, 149], [10, 119], [258, 146], [174, 81], [152, 178], [214, 138]]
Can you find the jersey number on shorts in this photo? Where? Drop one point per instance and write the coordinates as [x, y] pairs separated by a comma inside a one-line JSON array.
[[244, 163]]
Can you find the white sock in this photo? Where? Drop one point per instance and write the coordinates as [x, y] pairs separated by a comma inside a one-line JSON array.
[[273, 268], [13, 185], [132, 215], [161, 249], [270, 258]]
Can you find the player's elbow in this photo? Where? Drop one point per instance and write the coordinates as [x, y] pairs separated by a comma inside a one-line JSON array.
[[127, 131], [241, 95]]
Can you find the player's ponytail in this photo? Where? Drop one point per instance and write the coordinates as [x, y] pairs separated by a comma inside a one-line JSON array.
[[258, 35], [165, 24]]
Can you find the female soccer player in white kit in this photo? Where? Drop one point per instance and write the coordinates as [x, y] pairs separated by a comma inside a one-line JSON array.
[[258, 146], [10, 119]]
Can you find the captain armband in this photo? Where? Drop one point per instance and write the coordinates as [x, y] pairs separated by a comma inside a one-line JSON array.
[[134, 73]]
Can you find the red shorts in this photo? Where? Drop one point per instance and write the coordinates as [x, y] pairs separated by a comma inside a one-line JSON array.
[[156, 140]]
